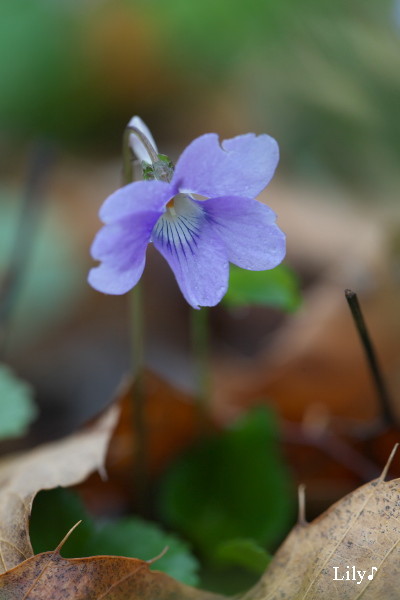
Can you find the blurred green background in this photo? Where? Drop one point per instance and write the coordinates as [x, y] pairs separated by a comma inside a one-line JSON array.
[[322, 77]]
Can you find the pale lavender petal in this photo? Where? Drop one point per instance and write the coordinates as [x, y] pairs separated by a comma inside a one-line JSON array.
[[194, 252], [137, 146], [248, 229], [109, 280], [136, 197], [121, 247], [240, 166]]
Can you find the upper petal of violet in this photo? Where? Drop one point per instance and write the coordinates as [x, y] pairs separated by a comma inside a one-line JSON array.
[[240, 166]]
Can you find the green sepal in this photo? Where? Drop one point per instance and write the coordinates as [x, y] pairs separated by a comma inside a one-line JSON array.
[[161, 170], [148, 171]]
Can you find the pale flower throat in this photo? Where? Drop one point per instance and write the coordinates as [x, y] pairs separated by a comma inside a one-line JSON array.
[[180, 225]]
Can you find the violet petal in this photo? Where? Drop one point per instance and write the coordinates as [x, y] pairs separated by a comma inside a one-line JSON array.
[[247, 227], [136, 197], [195, 254], [110, 280], [121, 247], [240, 166]]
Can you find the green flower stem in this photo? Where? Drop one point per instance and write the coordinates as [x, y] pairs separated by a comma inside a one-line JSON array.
[[140, 472], [200, 340]]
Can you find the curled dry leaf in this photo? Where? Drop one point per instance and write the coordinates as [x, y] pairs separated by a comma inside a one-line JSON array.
[[48, 575], [61, 463], [362, 531], [315, 562]]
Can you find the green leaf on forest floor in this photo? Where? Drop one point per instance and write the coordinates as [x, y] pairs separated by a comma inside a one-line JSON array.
[[17, 409], [137, 538], [277, 288], [56, 511], [231, 485], [244, 553]]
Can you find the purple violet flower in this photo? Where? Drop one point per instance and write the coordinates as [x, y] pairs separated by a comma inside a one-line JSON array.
[[197, 237]]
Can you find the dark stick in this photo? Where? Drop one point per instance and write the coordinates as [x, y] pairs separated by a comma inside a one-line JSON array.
[[380, 386]]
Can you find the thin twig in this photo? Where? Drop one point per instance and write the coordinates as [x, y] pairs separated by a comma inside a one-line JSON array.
[[383, 395]]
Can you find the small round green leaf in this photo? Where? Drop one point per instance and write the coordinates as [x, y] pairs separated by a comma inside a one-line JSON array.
[[244, 553], [17, 409], [277, 288], [230, 485]]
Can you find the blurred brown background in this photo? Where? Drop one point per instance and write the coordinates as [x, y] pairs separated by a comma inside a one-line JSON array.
[[323, 78]]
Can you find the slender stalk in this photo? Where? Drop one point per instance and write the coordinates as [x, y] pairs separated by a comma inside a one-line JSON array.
[[140, 473], [382, 392], [137, 332], [200, 338]]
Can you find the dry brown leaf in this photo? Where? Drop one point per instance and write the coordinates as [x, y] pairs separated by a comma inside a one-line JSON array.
[[61, 463], [350, 552], [49, 576], [362, 531]]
